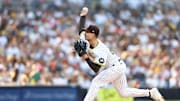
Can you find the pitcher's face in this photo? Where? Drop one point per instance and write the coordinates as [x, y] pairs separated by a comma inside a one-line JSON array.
[[90, 36]]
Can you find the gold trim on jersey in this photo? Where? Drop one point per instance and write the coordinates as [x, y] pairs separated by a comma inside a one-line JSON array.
[[92, 56], [98, 64], [97, 44], [83, 32]]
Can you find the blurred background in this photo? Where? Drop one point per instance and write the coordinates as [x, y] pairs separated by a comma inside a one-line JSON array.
[[37, 36]]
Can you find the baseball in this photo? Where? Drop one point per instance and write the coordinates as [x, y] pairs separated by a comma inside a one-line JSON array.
[[85, 9]]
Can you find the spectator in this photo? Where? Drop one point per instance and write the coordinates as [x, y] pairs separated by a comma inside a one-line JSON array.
[[36, 41]]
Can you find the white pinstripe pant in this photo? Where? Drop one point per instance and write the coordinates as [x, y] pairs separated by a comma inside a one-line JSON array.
[[116, 76]]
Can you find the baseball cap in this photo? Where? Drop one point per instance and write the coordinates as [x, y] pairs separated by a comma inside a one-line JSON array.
[[93, 29]]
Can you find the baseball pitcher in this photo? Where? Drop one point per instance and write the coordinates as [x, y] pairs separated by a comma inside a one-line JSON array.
[[109, 67]]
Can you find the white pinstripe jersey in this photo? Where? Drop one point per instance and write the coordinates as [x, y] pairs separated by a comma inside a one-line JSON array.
[[101, 54]]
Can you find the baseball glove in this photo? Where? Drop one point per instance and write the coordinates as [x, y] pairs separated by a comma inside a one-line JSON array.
[[80, 46]]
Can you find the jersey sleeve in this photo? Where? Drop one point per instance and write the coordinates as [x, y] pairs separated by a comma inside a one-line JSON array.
[[82, 35], [101, 58]]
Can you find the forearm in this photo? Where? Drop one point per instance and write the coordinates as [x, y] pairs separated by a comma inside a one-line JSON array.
[[95, 67], [82, 22], [83, 15]]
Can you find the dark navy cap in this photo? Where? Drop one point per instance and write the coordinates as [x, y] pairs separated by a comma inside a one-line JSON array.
[[93, 29]]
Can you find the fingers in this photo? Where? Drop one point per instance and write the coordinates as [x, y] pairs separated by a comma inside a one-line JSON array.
[[80, 47], [76, 46], [84, 11]]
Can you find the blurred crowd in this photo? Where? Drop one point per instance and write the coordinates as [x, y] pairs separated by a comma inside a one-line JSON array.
[[37, 36]]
